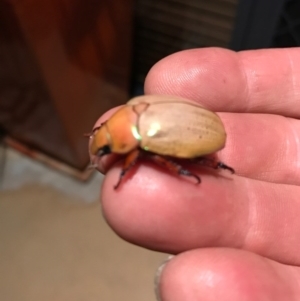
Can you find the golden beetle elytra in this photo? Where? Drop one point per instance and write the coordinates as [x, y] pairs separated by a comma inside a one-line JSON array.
[[161, 128]]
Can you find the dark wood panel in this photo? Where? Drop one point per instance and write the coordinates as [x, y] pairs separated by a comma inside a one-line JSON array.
[[68, 62], [167, 26]]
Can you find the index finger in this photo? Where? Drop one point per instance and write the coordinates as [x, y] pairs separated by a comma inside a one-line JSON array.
[[257, 81]]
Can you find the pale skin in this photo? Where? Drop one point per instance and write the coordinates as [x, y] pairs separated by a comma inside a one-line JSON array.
[[235, 237]]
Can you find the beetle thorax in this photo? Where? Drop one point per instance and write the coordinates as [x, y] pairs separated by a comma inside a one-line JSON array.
[[122, 131]]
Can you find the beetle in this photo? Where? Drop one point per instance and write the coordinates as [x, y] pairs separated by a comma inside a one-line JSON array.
[[161, 128]]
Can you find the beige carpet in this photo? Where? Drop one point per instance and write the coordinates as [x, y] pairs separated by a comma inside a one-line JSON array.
[[55, 248]]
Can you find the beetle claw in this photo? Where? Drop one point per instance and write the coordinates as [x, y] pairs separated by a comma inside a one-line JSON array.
[[120, 179], [117, 185], [197, 178], [186, 172], [224, 166], [209, 162]]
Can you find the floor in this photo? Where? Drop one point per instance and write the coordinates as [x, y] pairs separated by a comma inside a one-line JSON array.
[[55, 245]]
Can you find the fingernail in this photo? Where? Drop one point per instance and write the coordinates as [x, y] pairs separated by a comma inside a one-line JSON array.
[[157, 277]]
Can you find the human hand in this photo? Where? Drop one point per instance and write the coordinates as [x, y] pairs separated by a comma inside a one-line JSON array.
[[235, 237]]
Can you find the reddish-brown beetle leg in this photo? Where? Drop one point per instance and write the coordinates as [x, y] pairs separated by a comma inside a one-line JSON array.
[[224, 166], [213, 164], [173, 167], [129, 162]]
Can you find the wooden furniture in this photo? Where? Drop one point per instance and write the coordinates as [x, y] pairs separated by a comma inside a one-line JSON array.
[[167, 26], [63, 63]]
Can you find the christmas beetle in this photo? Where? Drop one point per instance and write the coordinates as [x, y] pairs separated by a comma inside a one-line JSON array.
[[161, 128]]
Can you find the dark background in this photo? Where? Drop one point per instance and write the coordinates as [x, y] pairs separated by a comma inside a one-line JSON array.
[[64, 63]]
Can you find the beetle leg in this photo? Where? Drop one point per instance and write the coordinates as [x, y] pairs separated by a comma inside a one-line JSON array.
[[214, 164], [224, 166], [173, 167], [129, 162]]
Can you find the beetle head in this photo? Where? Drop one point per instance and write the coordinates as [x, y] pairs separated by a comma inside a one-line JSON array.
[[100, 144]]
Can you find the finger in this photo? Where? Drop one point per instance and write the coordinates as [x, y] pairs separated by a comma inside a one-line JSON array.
[[227, 274], [263, 147], [169, 213], [266, 81]]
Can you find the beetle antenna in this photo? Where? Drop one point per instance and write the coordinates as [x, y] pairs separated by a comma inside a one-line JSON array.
[[93, 131], [88, 135]]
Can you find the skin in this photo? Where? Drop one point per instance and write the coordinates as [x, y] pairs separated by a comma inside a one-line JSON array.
[[235, 237]]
